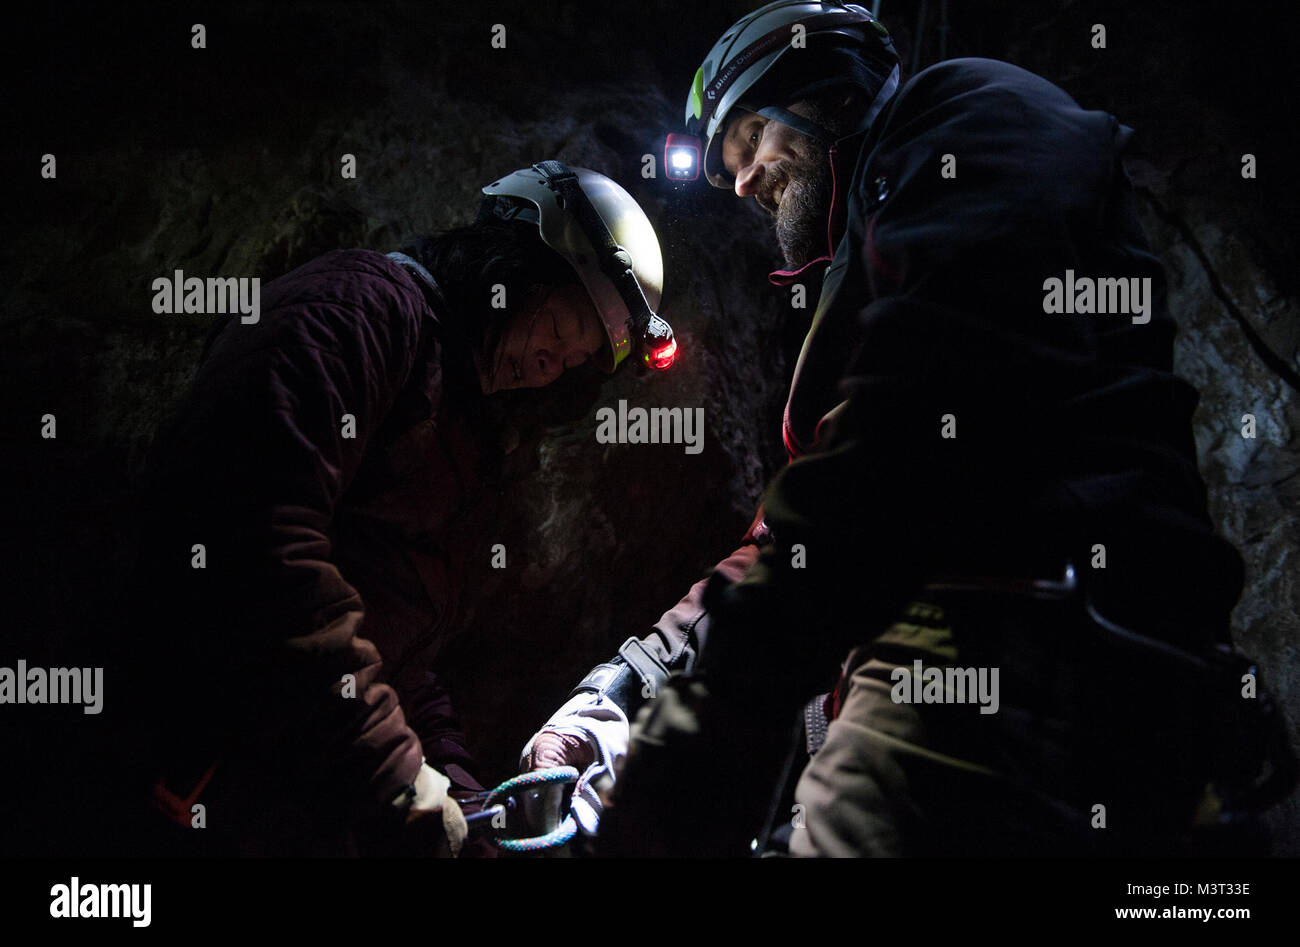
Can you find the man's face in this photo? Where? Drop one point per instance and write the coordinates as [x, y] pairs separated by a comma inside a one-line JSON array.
[[788, 174], [557, 329]]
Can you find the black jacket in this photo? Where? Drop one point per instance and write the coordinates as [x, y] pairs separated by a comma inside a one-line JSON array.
[[1072, 432]]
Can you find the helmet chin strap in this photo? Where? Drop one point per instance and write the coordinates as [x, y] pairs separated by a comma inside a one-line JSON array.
[[881, 100]]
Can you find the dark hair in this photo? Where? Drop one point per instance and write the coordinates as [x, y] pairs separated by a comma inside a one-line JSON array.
[[468, 264]]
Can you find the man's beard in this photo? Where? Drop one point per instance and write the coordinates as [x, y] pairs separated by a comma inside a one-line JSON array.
[[801, 218]]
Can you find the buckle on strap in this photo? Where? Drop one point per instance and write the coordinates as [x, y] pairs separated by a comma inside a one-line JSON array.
[[635, 674], [648, 667]]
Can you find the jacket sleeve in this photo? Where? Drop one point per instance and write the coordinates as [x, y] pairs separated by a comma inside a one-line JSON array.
[[677, 638], [267, 635], [675, 641]]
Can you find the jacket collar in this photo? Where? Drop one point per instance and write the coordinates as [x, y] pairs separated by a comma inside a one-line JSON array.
[[844, 151]]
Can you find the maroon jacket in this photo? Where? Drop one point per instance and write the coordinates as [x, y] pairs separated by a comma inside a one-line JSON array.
[[324, 552]]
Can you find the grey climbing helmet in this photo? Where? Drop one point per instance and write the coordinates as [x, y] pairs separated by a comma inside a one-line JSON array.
[[601, 231]]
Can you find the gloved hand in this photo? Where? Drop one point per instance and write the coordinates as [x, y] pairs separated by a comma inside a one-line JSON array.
[[590, 734], [552, 749], [435, 824]]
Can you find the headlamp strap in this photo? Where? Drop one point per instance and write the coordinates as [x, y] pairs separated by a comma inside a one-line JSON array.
[[612, 259]]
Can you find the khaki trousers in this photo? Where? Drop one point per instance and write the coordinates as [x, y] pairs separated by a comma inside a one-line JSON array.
[[896, 778]]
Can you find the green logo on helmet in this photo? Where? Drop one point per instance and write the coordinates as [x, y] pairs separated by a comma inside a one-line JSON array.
[[697, 93]]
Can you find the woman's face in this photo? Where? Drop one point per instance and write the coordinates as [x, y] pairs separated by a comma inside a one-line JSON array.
[[557, 329]]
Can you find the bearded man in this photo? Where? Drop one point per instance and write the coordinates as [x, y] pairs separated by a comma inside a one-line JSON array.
[[993, 508]]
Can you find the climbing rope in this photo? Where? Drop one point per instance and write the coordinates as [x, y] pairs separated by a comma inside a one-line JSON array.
[[561, 835]]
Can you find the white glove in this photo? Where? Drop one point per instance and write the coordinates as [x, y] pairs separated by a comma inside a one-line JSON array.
[[597, 731]]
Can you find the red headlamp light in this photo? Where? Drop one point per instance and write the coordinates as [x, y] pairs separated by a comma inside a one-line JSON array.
[[658, 346]]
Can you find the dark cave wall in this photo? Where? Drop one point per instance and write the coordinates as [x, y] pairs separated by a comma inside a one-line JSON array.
[[229, 165]]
